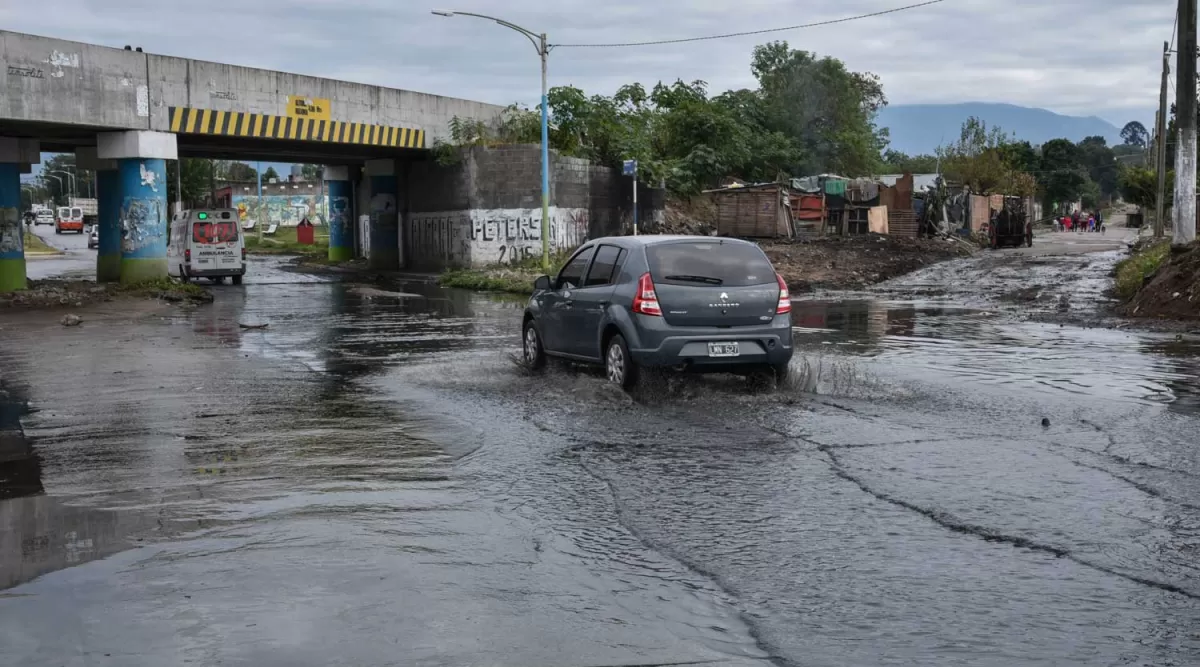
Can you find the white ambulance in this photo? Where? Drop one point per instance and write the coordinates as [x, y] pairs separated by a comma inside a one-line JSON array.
[[206, 243]]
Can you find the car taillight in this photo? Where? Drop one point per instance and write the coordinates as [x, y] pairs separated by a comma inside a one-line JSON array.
[[785, 297], [646, 300], [187, 254], [243, 252]]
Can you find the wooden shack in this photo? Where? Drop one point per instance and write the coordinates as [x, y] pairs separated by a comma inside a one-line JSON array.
[[754, 211]]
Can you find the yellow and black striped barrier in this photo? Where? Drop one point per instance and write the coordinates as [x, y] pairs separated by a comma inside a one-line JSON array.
[[262, 126]]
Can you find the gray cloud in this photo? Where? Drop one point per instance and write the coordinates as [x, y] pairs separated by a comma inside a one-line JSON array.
[[1073, 56]]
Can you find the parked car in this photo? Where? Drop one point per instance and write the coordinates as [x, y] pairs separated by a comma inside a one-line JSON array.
[[94, 237], [694, 304], [44, 217]]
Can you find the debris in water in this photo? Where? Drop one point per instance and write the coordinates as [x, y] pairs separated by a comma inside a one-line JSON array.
[[253, 326], [1045, 422], [71, 320]]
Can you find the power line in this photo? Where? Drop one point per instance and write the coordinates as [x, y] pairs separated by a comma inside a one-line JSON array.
[[1174, 30], [752, 32]]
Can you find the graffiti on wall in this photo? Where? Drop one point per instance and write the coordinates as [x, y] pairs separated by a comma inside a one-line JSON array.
[[340, 222], [143, 224], [283, 210], [479, 237], [12, 241]]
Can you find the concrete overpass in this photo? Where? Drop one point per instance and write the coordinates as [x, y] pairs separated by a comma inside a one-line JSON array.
[[127, 111]]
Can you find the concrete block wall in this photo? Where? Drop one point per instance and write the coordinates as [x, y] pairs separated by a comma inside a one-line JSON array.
[[487, 208]]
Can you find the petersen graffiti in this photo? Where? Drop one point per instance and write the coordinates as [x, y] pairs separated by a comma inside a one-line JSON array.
[[490, 236]]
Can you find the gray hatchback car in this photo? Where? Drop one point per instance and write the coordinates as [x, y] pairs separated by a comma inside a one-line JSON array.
[[695, 304]]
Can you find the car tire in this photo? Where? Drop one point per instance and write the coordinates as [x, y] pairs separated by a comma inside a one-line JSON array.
[[532, 350], [619, 366], [780, 371], [183, 276], [57, 230], [237, 280]]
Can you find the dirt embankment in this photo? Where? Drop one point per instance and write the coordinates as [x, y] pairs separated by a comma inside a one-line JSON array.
[[849, 262], [1173, 290], [42, 294]]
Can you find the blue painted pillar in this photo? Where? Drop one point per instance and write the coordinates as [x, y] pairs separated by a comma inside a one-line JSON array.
[[12, 235], [108, 204], [341, 214], [142, 184], [385, 219]]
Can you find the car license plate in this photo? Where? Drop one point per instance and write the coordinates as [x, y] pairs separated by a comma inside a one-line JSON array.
[[723, 350]]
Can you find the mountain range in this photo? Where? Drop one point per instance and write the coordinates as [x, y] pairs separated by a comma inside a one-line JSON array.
[[920, 128]]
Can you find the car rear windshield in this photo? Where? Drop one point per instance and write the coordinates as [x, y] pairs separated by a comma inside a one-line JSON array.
[[214, 232], [709, 263]]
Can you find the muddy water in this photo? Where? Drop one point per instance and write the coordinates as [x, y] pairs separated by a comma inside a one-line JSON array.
[[371, 479]]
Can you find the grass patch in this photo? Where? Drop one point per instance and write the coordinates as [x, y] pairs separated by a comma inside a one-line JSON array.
[[1133, 271], [35, 244], [516, 278], [284, 242], [167, 288]]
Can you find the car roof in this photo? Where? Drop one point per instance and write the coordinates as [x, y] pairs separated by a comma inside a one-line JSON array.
[[644, 240]]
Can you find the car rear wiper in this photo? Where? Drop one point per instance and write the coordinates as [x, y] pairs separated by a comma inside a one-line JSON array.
[[697, 279]]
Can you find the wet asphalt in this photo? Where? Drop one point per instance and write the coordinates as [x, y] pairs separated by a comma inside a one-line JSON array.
[[373, 480]]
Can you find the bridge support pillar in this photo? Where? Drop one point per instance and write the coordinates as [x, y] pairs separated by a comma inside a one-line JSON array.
[[341, 214], [15, 154], [108, 205], [141, 180], [385, 218]]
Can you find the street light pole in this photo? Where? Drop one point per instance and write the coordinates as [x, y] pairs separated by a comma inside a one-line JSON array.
[[543, 49], [74, 189], [61, 185]]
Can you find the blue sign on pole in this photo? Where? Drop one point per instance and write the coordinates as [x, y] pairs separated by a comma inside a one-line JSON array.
[[630, 168]]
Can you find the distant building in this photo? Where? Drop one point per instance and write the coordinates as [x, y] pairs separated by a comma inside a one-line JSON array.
[[285, 204]]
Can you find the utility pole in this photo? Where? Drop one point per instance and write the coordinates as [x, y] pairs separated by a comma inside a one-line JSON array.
[[1185, 118], [1160, 138]]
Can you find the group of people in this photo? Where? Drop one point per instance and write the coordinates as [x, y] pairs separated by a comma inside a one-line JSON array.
[[1080, 221]]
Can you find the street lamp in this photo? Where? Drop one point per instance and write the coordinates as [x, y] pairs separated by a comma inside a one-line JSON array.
[[543, 49], [74, 188], [61, 186]]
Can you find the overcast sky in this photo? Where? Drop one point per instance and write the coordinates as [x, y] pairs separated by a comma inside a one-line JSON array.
[[1080, 57]]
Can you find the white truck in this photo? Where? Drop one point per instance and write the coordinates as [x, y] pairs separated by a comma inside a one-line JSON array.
[[89, 205]]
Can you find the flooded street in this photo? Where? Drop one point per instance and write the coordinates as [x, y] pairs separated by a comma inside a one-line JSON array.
[[373, 480]]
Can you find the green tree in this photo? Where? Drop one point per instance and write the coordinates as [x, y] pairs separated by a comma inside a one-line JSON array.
[[896, 162], [1061, 177], [1139, 186], [63, 185], [829, 110], [270, 173], [1101, 164], [194, 175], [1135, 134], [312, 172]]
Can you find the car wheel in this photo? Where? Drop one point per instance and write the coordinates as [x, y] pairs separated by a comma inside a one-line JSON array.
[[531, 349], [237, 280], [619, 367], [183, 276]]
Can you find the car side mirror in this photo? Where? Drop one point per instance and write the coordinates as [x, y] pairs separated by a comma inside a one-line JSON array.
[[541, 284]]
